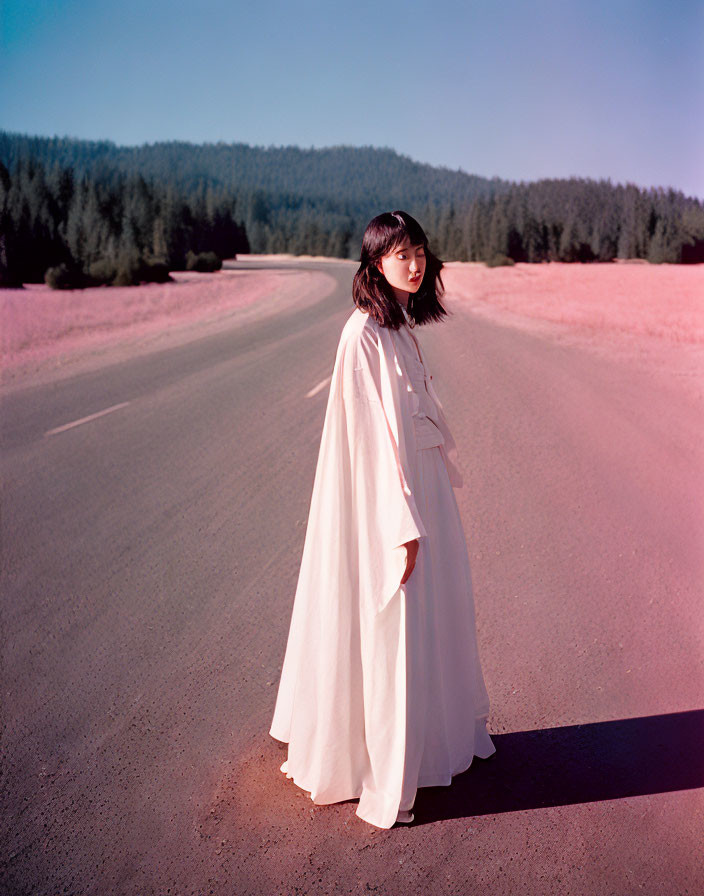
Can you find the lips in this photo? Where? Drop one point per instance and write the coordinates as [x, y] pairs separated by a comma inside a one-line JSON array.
[[414, 279]]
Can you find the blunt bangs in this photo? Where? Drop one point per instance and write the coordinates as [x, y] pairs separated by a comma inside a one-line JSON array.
[[390, 230]]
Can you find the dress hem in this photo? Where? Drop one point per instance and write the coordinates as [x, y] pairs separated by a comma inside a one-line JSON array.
[[485, 751]]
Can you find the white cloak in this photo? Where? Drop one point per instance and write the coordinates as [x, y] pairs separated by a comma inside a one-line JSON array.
[[341, 703]]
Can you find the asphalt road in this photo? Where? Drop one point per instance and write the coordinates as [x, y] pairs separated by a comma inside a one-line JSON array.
[[150, 556]]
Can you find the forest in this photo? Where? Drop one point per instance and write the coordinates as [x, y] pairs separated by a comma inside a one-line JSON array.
[[75, 213]]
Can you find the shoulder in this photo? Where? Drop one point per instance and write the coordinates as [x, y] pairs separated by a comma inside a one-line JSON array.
[[359, 327], [361, 336], [364, 357]]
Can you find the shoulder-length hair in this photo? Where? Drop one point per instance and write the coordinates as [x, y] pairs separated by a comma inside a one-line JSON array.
[[371, 290]]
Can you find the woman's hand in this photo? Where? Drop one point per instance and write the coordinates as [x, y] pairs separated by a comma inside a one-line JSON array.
[[411, 555]]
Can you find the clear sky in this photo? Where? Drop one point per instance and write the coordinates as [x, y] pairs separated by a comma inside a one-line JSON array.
[[517, 89]]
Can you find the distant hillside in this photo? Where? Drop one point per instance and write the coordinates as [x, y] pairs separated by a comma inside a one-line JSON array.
[[93, 205], [356, 179]]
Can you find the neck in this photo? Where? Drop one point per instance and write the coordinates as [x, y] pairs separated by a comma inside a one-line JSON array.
[[401, 296]]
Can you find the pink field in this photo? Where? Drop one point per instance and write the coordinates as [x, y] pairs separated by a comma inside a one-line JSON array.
[[43, 329], [652, 315], [640, 310], [664, 301]]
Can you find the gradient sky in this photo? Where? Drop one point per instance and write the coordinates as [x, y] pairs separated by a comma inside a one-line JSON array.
[[521, 90]]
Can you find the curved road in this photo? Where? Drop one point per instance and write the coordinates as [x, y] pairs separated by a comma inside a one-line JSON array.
[[150, 557]]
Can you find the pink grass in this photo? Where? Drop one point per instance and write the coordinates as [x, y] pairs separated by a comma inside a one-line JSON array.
[[41, 326], [662, 301]]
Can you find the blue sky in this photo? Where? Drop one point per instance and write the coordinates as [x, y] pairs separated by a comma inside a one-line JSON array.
[[520, 90]]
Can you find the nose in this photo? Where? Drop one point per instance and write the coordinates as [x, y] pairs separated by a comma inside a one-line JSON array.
[[414, 265]]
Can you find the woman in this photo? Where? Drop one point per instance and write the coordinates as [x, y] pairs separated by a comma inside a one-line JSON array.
[[381, 688]]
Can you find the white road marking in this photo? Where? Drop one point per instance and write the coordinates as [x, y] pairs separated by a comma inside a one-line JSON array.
[[109, 410], [319, 387]]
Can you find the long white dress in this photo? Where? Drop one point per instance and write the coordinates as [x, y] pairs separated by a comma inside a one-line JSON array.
[[381, 689]]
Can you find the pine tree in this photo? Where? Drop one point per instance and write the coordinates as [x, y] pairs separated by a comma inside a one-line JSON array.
[[497, 244]]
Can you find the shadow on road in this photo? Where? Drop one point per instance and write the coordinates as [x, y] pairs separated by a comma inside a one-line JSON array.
[[575, 764]]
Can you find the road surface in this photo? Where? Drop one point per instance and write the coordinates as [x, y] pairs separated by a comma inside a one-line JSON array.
[[150, 556]]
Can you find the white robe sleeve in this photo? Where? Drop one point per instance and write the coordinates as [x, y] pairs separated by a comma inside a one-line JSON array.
[[384, 504]]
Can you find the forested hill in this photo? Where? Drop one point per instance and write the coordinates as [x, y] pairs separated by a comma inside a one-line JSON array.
[[360, 180], [105, 213]]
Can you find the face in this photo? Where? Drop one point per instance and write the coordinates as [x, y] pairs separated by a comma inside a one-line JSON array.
[[404, 269]]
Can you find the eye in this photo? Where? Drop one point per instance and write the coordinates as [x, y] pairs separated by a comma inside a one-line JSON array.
[[401, 257]]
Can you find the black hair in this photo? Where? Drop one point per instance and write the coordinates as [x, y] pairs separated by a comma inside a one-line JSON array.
[[371, 291]]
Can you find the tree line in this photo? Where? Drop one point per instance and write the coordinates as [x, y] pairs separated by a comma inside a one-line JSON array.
[[81, 230], [574, 220], [80, 212]]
